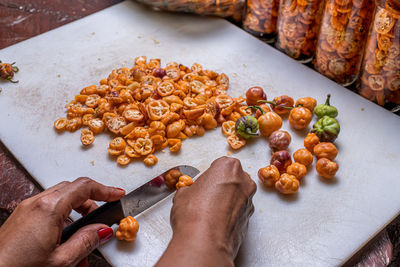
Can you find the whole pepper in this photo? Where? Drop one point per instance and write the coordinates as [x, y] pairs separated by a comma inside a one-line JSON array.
[[247, 126], [327, 129], [7, 71], [326, 109], [307, 102], [268, 122], [300, 117]]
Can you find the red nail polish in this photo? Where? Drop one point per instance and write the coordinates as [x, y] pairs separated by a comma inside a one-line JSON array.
[[120, 189], [105, 234]]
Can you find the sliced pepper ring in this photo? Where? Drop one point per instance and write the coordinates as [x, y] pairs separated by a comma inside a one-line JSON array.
[[166, 88], [143, 146], [157, 109], [228, 128]]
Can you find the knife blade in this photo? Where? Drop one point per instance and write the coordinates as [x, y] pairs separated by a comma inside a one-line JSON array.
[[132, 204]]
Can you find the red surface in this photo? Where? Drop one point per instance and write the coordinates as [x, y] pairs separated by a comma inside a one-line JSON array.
[[21, 19]]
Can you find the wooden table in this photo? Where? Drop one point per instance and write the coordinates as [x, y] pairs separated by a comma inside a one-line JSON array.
[[20, 21]]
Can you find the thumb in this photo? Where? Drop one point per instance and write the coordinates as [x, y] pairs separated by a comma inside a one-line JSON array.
[[81, 244]]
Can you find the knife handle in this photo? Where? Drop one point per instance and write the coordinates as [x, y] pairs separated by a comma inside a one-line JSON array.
[[108, 214]]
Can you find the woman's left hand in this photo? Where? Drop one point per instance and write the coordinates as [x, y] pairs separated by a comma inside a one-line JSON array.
[[31, 235]]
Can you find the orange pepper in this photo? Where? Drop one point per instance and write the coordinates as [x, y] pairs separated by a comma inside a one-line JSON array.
[[127, 229], [300, 117], [269, 123], [325, 150], [269, 175], [60, 124], [183, 181], [87, 137], [311, 141], [297, 169], [172, 177], [327, 168], [287, 184], [307, 102], [150, 160], [174, 144], [303, 156]]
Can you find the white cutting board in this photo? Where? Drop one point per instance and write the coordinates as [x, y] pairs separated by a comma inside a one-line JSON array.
[[322, 225]]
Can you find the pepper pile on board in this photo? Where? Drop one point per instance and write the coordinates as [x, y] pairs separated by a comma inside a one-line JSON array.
[[148, 108], [283, 173]]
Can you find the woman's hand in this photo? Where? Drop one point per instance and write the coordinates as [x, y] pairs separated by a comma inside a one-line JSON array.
[[31, 235], [209, 219]]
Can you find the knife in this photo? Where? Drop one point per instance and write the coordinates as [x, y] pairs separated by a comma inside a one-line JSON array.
[[132, 204]]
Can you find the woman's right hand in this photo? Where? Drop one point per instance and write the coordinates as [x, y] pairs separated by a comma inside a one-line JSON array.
[[210, 218]]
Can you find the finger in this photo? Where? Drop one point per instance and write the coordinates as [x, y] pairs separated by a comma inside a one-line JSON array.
[[82, 189], [81, 244], [87, 207], [50, 190], [179, 193]]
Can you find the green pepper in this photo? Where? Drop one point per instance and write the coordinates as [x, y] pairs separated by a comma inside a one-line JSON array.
[[327, 129], [246, 126], [326, 109]]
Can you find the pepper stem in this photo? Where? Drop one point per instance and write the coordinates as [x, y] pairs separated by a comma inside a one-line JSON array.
[[273, 103], [14, 68], [249, 132], [266, 101], [257, 107], [11, 80], [327, 100]]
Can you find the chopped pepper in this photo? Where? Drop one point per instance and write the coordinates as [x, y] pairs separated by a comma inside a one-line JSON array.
[[326, 109], [327, 129]]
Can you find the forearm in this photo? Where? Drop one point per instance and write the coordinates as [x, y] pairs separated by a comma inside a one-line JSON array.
[[196, 250]]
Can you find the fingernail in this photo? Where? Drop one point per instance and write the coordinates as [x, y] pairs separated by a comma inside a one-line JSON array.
[[105, 234], [120, 189]]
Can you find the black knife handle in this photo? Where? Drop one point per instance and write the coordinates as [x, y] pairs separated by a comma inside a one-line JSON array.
[[108, 214]]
